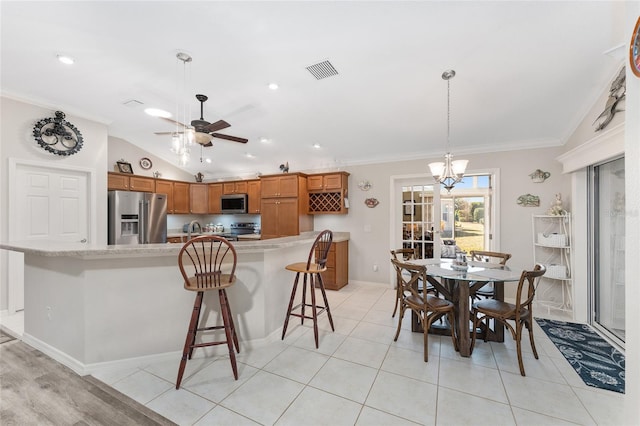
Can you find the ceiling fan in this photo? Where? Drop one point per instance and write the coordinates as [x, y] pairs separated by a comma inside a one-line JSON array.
[[205, 131]]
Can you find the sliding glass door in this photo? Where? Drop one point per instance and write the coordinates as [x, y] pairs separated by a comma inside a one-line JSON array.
[[608, 222]]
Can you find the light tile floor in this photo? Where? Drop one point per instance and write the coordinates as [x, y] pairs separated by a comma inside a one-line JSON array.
[[360, 376]]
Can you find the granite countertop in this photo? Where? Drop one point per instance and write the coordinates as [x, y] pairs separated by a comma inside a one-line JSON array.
[[97, 251], [180, 234]]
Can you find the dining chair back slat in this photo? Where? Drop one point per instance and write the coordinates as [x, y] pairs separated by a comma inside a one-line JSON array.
[[520, 313], [427, 307]]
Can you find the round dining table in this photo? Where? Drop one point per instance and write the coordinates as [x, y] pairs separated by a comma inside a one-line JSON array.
[[457, 284]]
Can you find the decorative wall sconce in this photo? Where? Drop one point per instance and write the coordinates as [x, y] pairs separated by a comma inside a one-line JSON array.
[[539, 176]]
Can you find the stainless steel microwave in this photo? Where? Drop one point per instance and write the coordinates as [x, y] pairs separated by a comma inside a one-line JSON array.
[[233, 203]]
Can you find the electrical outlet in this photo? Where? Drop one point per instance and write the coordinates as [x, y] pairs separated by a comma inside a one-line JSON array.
[[375, 268], [49, 312]]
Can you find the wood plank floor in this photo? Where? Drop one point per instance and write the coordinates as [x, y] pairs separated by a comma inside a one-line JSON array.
[[36, 390]]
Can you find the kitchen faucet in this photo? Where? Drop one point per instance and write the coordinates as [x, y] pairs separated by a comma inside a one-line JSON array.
[[192, 226]]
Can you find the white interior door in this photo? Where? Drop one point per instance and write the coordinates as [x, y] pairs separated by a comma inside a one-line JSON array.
[[49, 204]]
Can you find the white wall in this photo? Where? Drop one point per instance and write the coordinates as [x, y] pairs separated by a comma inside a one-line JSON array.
[[16, 141], [372, 247], [119, 149]]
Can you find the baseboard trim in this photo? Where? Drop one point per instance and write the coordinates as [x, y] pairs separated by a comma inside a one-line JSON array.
[[83, 369]]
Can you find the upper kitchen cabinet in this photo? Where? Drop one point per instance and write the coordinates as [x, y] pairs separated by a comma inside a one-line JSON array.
[[127, 182], [235, 187], [215, 193], [198, 198], [285, 185], [166, 187], [177, 195], [253, 191], [181, 198], [328, 192]]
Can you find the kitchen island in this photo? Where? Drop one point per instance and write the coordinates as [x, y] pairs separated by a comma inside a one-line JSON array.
[[96, 307]]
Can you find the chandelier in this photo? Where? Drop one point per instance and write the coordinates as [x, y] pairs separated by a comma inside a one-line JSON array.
[[184, 136], [450, 172]]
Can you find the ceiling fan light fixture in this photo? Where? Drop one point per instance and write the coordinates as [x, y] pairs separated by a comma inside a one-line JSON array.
[[202, 138]]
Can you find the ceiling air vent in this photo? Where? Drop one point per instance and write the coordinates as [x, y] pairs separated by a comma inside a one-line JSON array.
[[322, 70], [132, 103]]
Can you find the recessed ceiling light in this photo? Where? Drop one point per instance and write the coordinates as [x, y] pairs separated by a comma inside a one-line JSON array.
[[264, 140], [273, 86], [208, 160], [249, 155], [67, 60], [156, 112], [316, 146]]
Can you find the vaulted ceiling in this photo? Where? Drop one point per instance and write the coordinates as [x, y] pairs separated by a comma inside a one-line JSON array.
[[527, 73]]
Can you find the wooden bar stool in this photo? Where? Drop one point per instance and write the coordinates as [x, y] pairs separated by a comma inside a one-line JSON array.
[[312, 269], [201, 261]]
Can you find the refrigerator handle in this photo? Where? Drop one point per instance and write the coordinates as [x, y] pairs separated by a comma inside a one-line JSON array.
[[142, 222]]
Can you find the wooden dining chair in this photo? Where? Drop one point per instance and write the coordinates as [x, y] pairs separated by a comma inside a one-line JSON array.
[[407, 254], [208, 263], [521, 313], [426, 306], [488, 291]]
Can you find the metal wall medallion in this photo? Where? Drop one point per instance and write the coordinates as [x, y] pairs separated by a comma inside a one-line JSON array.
[[57, 135]]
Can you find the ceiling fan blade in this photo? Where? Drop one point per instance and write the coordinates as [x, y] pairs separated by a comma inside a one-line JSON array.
[[173, 121], [229, 138], [207, 144], [168, 133], [218, 125]]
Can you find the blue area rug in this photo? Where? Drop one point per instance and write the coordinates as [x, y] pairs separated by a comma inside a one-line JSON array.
[[597, 362]]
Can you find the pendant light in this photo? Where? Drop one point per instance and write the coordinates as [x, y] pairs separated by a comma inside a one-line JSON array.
[[185, 135], [450, 172]]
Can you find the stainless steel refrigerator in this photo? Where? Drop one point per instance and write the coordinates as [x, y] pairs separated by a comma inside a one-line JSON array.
[[137, 217]]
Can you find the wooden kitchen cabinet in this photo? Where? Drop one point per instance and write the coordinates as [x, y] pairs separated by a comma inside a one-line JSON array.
[[175, 240], [181, 198], [142, 184], [279, 218], [128, 182], [198, 198], [337, 274], [166, 187], [327, 193], [327, 181], [253, 191], [117, 182], [215, 193], [283, 208], [234, 187], [286, 185]]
